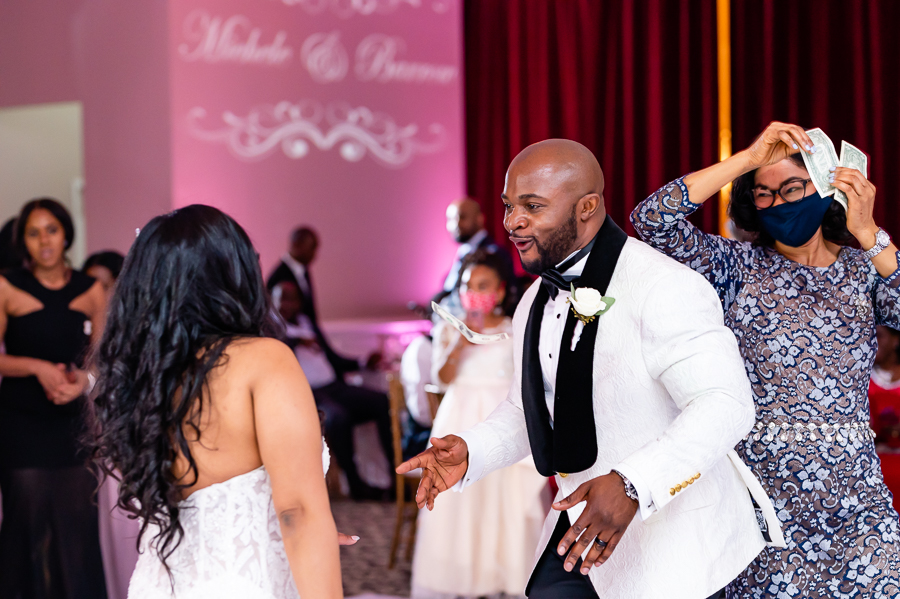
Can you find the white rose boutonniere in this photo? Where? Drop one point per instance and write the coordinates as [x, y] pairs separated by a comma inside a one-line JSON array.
[[588, 304]]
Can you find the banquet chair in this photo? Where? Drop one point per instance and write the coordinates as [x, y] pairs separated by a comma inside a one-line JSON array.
[[407, 511], [435, 395]]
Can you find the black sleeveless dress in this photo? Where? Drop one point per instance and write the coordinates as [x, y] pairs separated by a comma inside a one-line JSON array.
[[49, 538]]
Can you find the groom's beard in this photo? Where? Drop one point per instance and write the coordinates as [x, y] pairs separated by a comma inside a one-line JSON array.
[[555, 248]]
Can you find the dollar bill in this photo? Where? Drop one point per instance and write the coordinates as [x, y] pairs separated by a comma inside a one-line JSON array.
[[851, 157], [819, 164], [472, 336]]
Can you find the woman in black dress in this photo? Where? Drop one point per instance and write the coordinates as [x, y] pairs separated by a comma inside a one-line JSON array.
[[49, 314]]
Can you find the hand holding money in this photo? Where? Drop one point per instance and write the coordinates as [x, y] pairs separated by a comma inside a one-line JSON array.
[[845, 179], [822, 164], [859, 195], [853, 158]]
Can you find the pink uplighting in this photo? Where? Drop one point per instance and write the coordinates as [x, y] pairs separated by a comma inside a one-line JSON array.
[[362, 112], [349, 122]]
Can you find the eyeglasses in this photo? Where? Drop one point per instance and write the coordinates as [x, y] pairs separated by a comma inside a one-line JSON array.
[[791, 191]]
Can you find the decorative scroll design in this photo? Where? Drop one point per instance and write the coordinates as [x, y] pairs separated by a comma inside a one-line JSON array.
[[298, 128], [348, 8]]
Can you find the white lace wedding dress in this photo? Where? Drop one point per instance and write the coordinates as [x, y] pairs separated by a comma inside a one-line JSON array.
[[232, 546]]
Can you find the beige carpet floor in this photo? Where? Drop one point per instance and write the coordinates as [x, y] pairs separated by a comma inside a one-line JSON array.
[[364, 565]]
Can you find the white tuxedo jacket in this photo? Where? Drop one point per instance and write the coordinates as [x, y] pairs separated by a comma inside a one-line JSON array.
[[671, 400]]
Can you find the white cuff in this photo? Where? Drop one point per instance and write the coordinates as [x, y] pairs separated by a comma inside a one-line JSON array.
[[476, 460], [645, 498]]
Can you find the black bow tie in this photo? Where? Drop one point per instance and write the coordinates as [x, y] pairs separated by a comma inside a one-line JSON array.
[[553, 281], [552, 278]]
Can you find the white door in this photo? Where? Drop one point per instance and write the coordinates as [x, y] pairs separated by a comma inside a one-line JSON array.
[[42, 155]]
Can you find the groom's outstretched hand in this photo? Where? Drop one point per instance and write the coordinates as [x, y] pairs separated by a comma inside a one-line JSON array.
[[607, 513], [443, 465]]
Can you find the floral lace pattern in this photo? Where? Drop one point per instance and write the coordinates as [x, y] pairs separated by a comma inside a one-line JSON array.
[[807, 336], [232, 547]]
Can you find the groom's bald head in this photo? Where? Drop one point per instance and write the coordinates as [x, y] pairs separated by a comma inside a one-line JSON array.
[[554, 201]]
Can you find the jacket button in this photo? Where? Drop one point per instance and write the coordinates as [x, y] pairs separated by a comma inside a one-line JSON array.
[[563, 474], [672, 491]]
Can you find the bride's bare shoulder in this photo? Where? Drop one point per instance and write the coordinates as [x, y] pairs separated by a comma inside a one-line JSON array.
[[258, 348], [260, 355]]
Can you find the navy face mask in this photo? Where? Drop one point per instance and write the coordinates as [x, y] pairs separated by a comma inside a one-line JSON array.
[[794, 223]]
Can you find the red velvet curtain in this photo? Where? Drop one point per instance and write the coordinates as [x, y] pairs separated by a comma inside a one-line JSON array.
[[635, 82], [833, 64]]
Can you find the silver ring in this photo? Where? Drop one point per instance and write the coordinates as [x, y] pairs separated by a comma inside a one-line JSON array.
[[600, 544]]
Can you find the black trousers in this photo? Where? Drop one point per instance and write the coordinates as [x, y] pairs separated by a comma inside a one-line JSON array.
[[551, 581], [49, 538], [345, 407]]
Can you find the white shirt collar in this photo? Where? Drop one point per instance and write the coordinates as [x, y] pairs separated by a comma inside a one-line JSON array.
[[576, 269], [298, 269], [469, 246]]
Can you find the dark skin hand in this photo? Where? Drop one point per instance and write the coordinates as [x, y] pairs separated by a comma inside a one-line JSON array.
[[607, 513], [443, 465]]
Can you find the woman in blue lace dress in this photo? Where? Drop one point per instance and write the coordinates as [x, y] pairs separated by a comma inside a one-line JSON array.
[[804, 309]]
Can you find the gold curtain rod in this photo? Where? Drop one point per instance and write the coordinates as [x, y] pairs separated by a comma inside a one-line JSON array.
[[723, 34]]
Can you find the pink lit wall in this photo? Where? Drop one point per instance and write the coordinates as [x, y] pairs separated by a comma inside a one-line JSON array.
[[112, 57], [342, 115]]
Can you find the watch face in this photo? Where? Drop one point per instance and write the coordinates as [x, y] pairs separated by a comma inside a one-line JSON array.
[[882, 238]]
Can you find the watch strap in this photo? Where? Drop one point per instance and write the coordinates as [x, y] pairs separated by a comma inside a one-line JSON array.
[[630, 491], [880, 244]]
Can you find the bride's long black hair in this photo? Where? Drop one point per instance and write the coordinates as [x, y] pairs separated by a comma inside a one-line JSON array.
[[190, 284]]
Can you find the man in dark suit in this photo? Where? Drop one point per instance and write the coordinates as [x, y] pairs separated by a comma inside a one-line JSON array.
[[294, 268], [343, 406], [465, 222]]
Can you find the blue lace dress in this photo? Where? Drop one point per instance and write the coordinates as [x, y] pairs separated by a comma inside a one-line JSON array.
[[807, 335]]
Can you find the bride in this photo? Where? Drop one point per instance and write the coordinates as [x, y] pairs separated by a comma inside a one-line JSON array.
[[210, 422]]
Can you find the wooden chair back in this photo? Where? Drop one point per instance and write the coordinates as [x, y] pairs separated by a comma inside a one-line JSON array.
[[406, 483], [435, 395], [398, 407]]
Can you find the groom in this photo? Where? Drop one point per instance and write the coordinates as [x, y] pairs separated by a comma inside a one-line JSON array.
[[634, 410]]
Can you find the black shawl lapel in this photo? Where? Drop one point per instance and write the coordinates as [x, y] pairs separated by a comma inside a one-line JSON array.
[[570, 445], [574, 429], [534, 402]]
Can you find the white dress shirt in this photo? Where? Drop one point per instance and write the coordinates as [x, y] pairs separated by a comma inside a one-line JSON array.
[[415, 373], [299, 273], [318, 370], [462, 251], [552, 327]]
